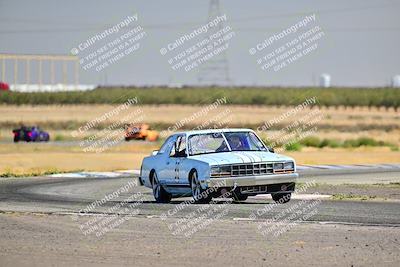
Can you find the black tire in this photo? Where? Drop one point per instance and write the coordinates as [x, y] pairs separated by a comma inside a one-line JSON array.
[[281, 197], [239, 197], [160, 195], [16, 139], [199, 194]]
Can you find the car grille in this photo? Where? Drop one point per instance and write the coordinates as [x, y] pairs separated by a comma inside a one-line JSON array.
[[252, 169]]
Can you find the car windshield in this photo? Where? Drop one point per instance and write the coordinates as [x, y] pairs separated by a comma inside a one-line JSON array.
[[244, 141], [215, 142]]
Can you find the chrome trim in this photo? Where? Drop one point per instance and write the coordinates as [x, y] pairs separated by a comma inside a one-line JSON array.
[[253, 180], [252, 169]]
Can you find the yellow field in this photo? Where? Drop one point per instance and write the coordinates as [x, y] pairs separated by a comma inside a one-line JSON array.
[[34, 158], [173, 113], [380, 122], [26, 158]]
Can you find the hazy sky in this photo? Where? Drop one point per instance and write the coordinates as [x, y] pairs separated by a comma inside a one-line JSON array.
[[360, 46]]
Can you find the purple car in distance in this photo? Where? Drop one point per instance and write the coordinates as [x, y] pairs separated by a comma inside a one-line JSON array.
[[30, 134]]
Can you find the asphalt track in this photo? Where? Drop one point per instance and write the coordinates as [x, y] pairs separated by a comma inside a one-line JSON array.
[[60, 195]]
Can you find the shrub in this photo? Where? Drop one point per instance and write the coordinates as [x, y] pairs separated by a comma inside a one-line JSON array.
[[351, 143], [293, 146], [367, 141], [394, 148], [312, 141], [371, 97], [59, 137], [363, 141], [330, 143]]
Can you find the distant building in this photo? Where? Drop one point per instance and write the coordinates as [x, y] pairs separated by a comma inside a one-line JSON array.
[[325, 80], [30, 88], [396, 81]]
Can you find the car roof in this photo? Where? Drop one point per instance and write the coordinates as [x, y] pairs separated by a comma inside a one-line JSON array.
[[215, 131]]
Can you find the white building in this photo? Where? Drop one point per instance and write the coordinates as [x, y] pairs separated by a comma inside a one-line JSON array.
[[325, 80], [396, 81]]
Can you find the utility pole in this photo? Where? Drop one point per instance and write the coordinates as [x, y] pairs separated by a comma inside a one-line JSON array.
[[215, 71]]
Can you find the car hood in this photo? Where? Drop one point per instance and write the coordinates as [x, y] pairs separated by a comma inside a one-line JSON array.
[[237, 157]]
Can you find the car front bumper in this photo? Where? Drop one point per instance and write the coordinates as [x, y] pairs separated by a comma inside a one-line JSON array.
[[252, 180]]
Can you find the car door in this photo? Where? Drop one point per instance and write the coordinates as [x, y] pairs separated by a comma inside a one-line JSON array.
[[178, 159], [181, 165], [178, 153], [164, 171]]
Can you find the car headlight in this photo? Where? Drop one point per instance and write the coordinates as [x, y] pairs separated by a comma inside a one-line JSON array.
[[225, 170], [220, 171], [278, 166], [214, 171], [289, 165]]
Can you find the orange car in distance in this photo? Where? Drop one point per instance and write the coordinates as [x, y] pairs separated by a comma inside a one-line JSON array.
[[140, 132]]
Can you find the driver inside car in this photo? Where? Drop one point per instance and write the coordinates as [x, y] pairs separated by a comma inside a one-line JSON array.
[[235, 142]]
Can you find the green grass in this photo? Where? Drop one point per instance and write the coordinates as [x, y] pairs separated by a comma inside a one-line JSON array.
[[352, 197], [59, 137], [392, 185], [313, 141], [349, 97], [293, 147]]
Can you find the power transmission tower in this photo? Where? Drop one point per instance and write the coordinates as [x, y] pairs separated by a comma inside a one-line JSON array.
[[215, 71]]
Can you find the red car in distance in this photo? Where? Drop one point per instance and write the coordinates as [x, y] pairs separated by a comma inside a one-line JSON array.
[[4, 86]]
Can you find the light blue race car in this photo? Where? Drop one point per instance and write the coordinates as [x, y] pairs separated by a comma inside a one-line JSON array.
[[214, 163]]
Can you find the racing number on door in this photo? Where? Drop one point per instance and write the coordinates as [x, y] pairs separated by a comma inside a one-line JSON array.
[[180, 153], [177, 162]]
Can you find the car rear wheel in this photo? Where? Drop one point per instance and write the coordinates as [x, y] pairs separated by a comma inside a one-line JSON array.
[[199, 194], [159, 192], [281, 198]]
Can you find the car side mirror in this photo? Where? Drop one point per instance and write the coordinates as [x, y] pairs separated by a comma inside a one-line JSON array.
[[271, 149], [155, 152]]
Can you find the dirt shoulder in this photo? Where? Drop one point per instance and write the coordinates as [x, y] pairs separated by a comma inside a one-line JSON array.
[[362, 192]]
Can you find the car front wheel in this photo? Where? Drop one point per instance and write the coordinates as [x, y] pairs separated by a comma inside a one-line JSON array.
[[239, 197], [159, 192], [199, 194], [281, 198]]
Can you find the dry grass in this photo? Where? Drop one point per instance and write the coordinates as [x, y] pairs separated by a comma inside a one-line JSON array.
[[362, 155], [30, 157], [38, 157], [377, 120], [41, 162], [173, 113], [34, 158]]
